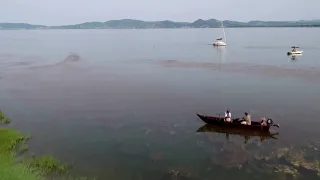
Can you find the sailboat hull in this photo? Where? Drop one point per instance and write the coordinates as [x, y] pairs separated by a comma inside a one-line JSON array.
[[219, 43]]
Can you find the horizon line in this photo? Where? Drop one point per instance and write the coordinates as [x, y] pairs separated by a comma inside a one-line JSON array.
[[160, 21]]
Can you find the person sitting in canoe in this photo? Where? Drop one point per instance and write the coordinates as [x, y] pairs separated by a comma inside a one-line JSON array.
[[263, 121], [247, 119], [227, 116]]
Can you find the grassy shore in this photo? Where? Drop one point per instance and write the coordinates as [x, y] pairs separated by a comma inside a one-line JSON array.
[[14, 167], [11, 169]]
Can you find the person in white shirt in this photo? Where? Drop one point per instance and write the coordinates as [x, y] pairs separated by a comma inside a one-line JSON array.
[[227, 116], [247, 119]]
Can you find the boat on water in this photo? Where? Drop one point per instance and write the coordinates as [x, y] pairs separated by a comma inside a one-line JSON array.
[[236, 123], [220, 42], [294, 51]]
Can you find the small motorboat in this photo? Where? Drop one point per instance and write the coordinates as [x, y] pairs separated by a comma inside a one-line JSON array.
[[236, 123], [294, 51]]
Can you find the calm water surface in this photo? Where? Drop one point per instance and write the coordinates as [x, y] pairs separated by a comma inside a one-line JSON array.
[[122, 104]]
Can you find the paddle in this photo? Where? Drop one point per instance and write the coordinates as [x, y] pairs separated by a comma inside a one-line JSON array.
[[276, 125]]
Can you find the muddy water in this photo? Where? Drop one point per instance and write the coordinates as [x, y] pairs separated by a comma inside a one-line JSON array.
[[122, 104]]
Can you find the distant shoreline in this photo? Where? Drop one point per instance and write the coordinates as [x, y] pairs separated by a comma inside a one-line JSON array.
[[4, 29], [139, 24]]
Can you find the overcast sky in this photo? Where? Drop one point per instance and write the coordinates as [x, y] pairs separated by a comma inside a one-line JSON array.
[[58, 12]]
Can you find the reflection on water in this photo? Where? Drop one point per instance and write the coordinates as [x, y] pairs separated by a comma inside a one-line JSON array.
[[221, 51], [247, 134], [293, 58]]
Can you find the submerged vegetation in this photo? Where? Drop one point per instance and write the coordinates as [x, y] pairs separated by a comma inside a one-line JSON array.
[[14, 167], [48, 164], [4, 119], [278, 161], [292, 162]]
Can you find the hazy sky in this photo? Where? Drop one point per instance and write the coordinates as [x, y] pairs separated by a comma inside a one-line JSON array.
[[57, 12]]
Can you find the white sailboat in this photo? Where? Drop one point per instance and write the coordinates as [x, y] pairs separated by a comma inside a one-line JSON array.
[[220, 42]]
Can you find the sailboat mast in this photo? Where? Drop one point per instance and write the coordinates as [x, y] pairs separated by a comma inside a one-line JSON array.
[[224, 34]]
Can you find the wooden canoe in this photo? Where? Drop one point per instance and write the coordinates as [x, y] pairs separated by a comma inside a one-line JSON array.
[[219, 121]]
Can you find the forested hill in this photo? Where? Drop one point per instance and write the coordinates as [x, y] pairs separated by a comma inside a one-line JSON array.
[[138, 24]]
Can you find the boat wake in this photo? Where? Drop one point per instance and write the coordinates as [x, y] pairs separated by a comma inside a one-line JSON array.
[[72, 58], [13, 60]]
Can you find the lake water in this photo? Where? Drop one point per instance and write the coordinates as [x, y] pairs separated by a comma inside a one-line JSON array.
[[122, 104]]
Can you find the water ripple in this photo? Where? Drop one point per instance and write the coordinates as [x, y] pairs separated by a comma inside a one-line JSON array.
[[306, 73]]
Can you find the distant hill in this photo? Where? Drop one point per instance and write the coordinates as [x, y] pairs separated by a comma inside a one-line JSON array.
[[19, 26], [138, 24]]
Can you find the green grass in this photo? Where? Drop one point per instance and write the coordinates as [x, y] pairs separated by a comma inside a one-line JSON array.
[[10, 169], [48, 164]]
